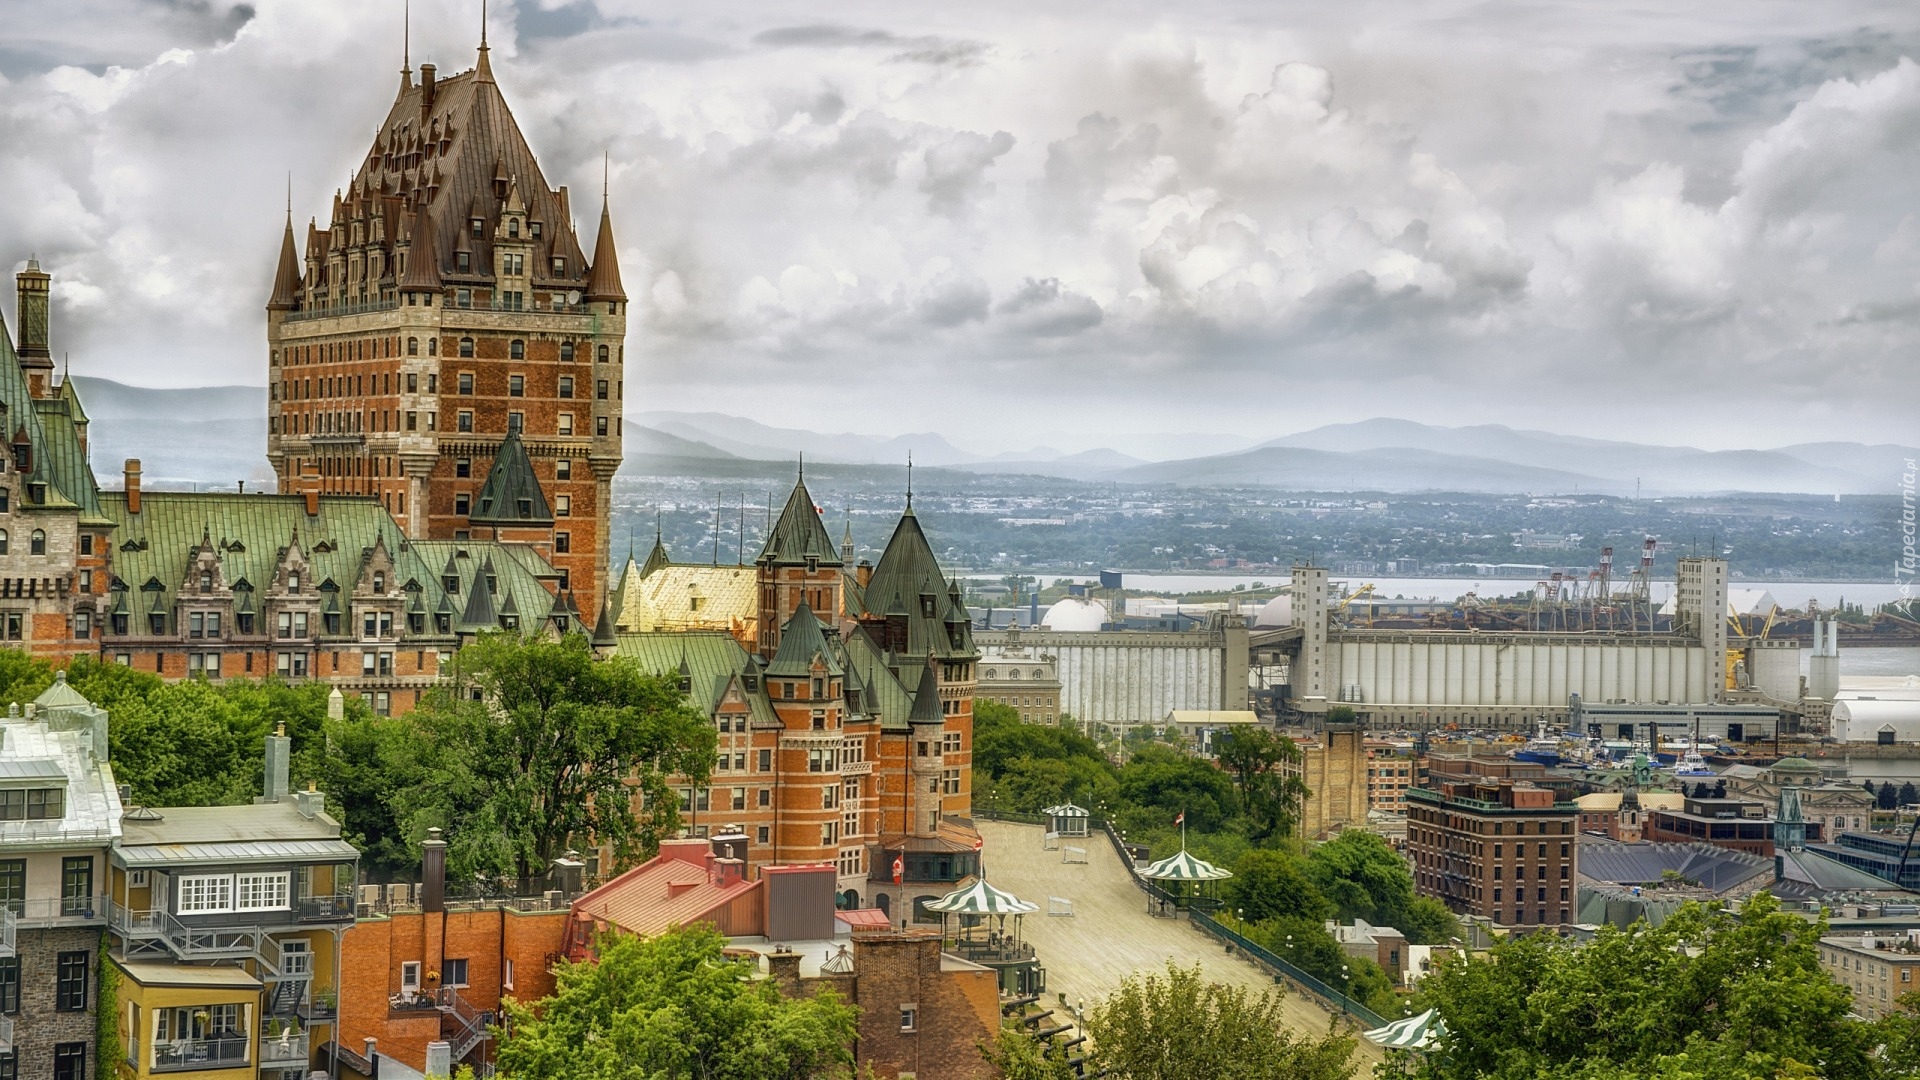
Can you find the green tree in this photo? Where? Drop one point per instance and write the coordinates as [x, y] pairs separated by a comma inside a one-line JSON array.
[[1909, 794], [1364, 877], [1428, 922], [1018, 1057], [1181, 1027], [1888, 796], [1269, 797], [1709, 995], [674, 1006], [1160, 782], [537, 747], [1272, 884], [1031, 766]]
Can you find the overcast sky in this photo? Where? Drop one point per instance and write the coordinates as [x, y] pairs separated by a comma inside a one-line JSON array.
[[1031, 223]]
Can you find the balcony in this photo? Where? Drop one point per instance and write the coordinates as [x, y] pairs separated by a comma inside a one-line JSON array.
[[285, 1050], [181, 1055], [51, 911]]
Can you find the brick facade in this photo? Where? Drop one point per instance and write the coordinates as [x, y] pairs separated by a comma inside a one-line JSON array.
[[447, 303], [1502, 849], [41, 1026]]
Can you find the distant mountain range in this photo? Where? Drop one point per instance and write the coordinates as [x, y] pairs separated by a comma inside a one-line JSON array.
[[215, 436]]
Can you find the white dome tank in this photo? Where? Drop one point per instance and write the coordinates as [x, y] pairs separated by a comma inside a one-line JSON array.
[[1075, 613], [1276, 612]]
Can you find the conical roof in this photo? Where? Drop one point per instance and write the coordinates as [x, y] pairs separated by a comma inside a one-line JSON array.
[[603, 634], [604, 282], [908, 576], [801, 641], [799, 534], [926, 700], [286, 275], [1184, 866], [479, 614], [981, 898], [512, 494], [657, 557]]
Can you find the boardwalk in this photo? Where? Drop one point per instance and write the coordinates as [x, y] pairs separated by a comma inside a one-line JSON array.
[[1111, 936]]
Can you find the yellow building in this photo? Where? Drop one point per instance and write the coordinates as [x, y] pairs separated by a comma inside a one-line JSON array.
[[224, 926], [1333, 764]]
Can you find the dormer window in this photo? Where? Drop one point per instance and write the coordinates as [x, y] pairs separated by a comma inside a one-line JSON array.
[[534, 229], [293, 581], [513, 228], [33, 804], [379, 581], [479, 226], [462, 261], [206, 581]]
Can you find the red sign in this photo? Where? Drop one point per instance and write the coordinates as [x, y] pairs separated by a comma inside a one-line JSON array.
[[899, 869], [979, 842]]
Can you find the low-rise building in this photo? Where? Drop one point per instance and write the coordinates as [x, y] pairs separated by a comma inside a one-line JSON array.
[[1391, 770], [1381, 944], [1022, 678], [225, 925], [1502, 849], [1877, 969], [1738, 824], [1620, 815], [59, 814]]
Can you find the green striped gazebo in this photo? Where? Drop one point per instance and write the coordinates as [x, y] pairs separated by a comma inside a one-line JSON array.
[[1187, 877], [981, 898], [1414, 1033]]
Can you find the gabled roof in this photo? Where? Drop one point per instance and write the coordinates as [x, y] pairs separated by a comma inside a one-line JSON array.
[[908, 581], [799, 534], [802, 643]]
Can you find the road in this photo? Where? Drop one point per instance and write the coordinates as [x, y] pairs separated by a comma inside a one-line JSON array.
[[1110, 936]]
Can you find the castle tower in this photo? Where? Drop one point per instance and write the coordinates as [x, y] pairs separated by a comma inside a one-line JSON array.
[[797, 567], [447, 305], [32, 286]]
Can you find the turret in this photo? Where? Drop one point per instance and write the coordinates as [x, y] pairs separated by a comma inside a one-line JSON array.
[[31, 313]]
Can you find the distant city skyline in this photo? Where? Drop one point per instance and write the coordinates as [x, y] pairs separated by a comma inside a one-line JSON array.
[[1021, 227]]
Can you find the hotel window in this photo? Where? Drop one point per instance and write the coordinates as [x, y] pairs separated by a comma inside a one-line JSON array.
[[261, 892], [10, 985], [466, 421], [566, 386], [463, 467], [516, 350], [462, 261], [462, 503], [562, 470], [562, 505], [465, 383], [600, 389], [516, 422], [562, 543], [566, 423], [38, 543], [70, 993], [599, 425], [466, 349], [566, 351], [601, 355]]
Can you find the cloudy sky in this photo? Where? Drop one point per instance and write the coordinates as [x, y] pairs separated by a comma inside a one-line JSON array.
[[1068, 224]]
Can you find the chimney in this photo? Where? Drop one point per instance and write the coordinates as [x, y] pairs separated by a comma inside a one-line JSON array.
[[728, 872], [568, 871], [133, 485], [433, 872], [309, 802], [279, 753], [439, 1060], [372, 1046], [863, 573], [307, 484], [426, 88], [783, 966], [31, 313]]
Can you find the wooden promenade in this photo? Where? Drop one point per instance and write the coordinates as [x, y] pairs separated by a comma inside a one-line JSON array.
[[1110, 936]]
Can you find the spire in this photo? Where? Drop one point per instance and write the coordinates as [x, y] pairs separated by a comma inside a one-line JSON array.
[[798, 535], [286, 277], [406, 50], [423, 257], [604, 282], [909, 481], [483, 71]]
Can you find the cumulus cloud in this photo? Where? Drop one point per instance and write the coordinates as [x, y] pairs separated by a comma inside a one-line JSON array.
[[1193, 214]]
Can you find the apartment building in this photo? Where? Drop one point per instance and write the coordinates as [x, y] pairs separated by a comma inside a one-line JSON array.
[[1501, 849]]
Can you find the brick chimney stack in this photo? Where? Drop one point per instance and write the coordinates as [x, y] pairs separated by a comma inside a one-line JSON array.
[[133, 485], [307, 484], [32, 285]]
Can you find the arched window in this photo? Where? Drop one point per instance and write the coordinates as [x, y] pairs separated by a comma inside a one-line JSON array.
[[566, 351], [379, 582], [517, 349], [603, 354], [466, 346], [433, 346], [513, 228], [38, 542], [413, 346]]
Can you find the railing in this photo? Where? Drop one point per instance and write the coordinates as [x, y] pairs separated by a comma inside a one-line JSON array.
[[176, 1055], [290, 1048], [325, 908], [6, 1032], [473, 1022], [1333, 998], [7, 928], [332, 310], [54, 909]]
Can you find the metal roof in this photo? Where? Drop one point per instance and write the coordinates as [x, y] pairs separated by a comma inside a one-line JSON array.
[[254, 851]]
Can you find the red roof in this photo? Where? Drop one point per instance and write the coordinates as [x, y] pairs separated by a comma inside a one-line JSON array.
[[679, 887], [865, 918]]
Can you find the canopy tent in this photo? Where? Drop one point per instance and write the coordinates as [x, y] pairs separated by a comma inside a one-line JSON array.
[[981, 898], [1414, 1033], [1184, 866]]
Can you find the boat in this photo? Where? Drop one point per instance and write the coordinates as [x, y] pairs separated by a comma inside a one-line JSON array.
[[1692, 764], [1542, 749]]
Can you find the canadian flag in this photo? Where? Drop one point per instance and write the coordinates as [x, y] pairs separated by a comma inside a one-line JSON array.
[[899, 869], [1180, 818]]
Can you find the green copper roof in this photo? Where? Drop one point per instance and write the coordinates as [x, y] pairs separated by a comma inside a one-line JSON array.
[[926, 700], [799, 534], [885, 695], [908, 581], [478, 614], [512, 494], [801, 640], [50, 429], [712, 659]]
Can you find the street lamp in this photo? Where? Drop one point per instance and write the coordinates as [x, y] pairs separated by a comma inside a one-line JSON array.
[[1346, 988]]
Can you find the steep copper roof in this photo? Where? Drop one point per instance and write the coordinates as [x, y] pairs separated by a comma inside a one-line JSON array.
[[423, 273], [451, 147], [511, 495], [286, 276], [605, 282]]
